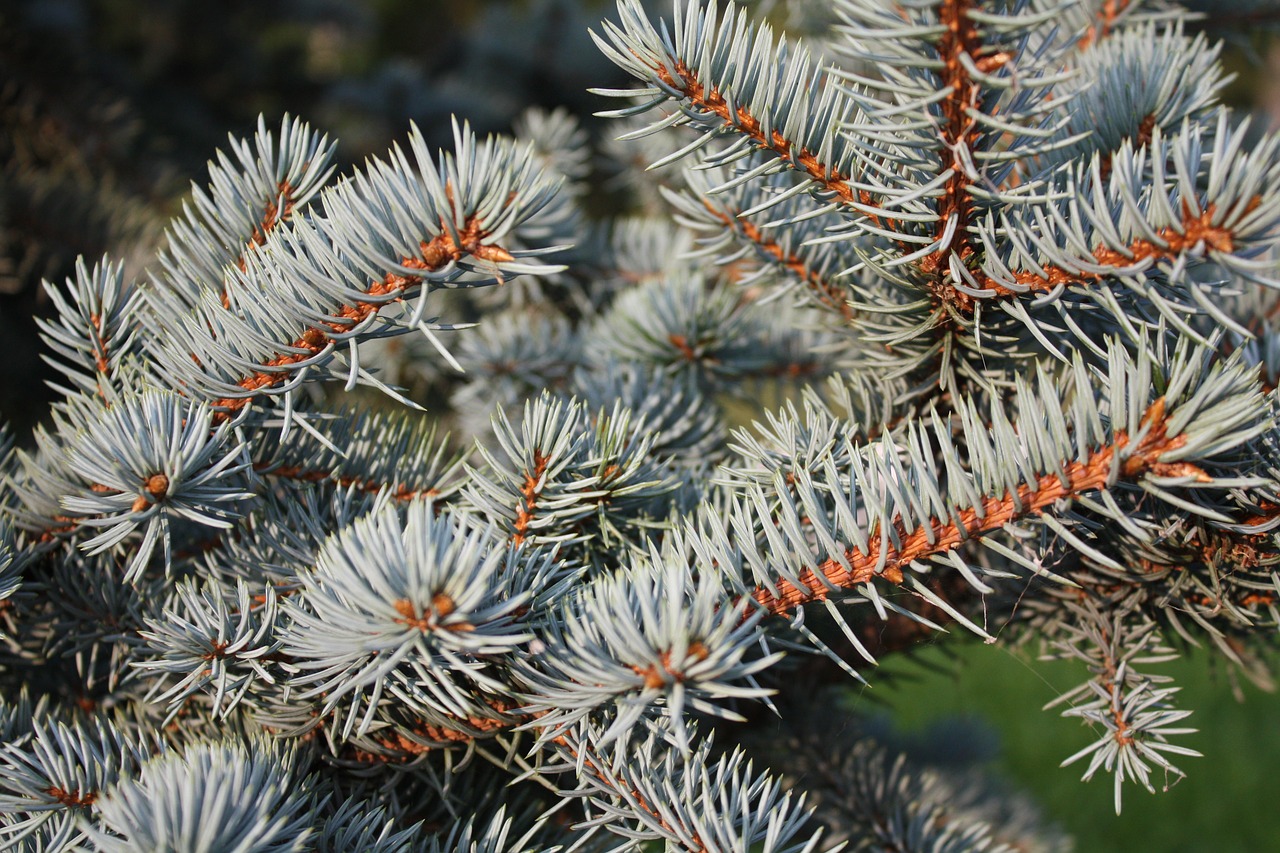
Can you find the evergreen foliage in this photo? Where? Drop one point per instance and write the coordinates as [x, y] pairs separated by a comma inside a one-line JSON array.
[[1006, 272]]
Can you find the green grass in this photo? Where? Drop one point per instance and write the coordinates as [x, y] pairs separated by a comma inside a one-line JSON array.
[[1228, 802]]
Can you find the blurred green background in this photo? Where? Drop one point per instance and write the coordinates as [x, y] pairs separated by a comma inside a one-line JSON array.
[[1226, 804]]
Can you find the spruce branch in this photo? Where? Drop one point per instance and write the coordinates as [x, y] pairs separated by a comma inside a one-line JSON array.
[[248, 197], [785, 113], [214, 641], [1024, 243], [56, 774], [96, 327], [589, 488], [976, 178], [370, 452], [693, 801], [150, 459], [420, 611], [410, 228], [251, 788], [824, 291], [727, 221], [1130, 708], [639, 640], [1057, 454], [440, 252], [1146, 76], [1226, 217]]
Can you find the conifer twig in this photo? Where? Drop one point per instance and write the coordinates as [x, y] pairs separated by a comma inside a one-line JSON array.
[[993, 514], [437, 253]]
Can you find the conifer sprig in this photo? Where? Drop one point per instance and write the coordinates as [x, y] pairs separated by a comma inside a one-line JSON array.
[[95, 327], [820, 532], [325, 281], [999, 266], [251, 192]]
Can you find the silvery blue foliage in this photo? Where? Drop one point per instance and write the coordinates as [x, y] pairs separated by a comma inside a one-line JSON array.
[[964, 318], [416, 609], [246, 793], [646, 641], [52, 773], [10, 566]]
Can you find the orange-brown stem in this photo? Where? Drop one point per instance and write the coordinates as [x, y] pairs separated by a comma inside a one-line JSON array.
[[73, 798], [442, 604], [529, 493], [403, 747], [827, 293], [101, 360], [276, 211], [658, 674], [1195, 229], [681, 343], [709, 99], [402, 491], [959, 131], [937, 537], [436, 254]]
